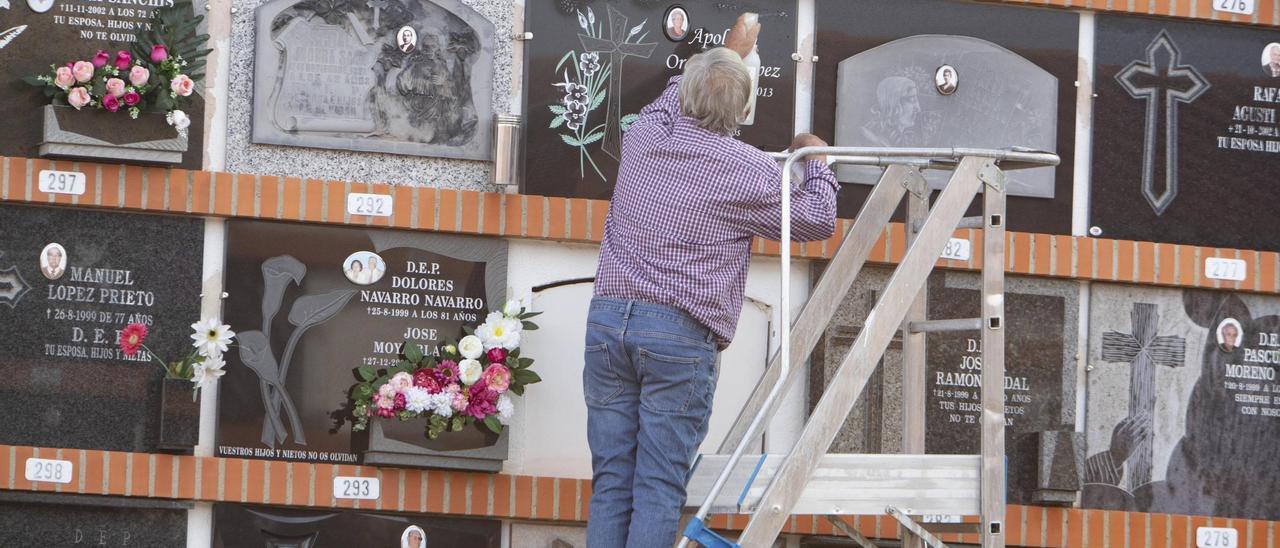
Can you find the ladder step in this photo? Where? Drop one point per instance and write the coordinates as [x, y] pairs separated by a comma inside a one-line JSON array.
[[850, 484], [965, 222], [959, 324]]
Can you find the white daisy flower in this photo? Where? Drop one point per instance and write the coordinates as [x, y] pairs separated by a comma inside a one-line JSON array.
[[211, 337], [499, 331], [207, 372]]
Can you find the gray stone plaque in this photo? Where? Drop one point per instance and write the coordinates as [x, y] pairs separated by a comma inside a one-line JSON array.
[[399, 76], [890, 96]]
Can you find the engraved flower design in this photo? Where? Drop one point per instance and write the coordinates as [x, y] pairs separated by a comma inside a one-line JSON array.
[[573, 92], [589, 63], [575, 113]]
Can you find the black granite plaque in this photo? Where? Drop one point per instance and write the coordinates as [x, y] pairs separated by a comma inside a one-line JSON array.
[[1036, 372], [308, 315], [67, 31], [622, 53], [1186, 138], [236, 526], [1184, 402], [1040, 371], [34, 519], [66, 382], [1046, 38]]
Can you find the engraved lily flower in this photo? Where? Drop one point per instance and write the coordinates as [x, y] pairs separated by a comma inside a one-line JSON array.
[[573, 92], [574, 115], [589, 63]]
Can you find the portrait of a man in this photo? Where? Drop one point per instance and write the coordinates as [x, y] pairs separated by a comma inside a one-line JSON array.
[[946, 80], [53, 261], [894, 115], [1271, 60], [677, 26], [1230, 335], [407, 39]]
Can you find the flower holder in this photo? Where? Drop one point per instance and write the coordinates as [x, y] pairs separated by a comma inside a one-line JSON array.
[[94, 134], [392, 442], [179, 417]]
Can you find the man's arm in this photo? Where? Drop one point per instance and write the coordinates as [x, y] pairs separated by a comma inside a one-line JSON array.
[[665, 110], [813, 205]]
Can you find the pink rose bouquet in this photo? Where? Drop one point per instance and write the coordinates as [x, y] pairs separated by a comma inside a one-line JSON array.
[[452, 385]]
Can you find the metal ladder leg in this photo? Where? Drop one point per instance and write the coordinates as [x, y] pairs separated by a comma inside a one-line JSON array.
[[847, 384], [913, 352], [993, 455]]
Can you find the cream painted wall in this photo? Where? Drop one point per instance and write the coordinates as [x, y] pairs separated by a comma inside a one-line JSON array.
[[549, 434]]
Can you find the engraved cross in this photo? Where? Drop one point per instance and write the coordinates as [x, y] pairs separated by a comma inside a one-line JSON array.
[[1143, 350], [618, 49], [1163, 82]]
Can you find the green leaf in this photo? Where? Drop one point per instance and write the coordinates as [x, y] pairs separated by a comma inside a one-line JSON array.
[[34, 81], [595, 101], [364, 391], [557, 109], [525, 362], [629, 119], [591, 139], [366, 373], [468, 330], [493, 424], [556, 122], [528, 315], [525, 376], [570, 140], [456, 425], [529, 326], [412, 352], [517, 389]]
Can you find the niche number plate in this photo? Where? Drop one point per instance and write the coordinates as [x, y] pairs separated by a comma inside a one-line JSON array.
[[48, 470], [1242, 7], [61, 182], [1225, 269], [372, 205], [1217, 537], [958, 249], [348, 487]]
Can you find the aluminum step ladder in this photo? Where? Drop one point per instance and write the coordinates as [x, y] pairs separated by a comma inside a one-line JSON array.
[[808, 480]]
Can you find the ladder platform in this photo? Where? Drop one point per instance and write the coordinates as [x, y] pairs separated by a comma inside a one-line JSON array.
[[850, 484]]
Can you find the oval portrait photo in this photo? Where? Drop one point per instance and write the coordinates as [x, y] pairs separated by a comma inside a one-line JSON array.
[[364, 267], [53, 261], [413, 537], [946, 79], [1271, 60], [1230, 335], [676, 24]]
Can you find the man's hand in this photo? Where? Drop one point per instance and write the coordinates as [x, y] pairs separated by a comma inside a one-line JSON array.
[[740, 39], [809, 140], [1127, 436]]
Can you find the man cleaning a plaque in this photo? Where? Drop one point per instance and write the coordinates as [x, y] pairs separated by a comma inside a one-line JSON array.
[[669, 286]]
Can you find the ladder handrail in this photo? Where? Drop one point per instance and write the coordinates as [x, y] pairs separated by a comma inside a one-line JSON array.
[[923, 157]]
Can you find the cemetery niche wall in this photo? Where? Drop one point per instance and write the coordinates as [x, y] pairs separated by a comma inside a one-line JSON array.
[[70, 280], [1186, 131], [312, 304], [400, 76], [40, 33], [1040, 380], [592, 66], [236, 525], [935, 73], [1184, 403]]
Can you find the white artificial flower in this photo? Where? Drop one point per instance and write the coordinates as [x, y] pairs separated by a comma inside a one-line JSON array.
[[178, 119], [207, 372], [471, 347], [505, 409], [469, 371], [211, 337], [512, 308], [401, 381], [442, 404], [498, 331], [417, 399]]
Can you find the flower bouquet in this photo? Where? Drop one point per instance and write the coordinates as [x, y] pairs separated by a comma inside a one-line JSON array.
[[468, 384], [179, 418], [158, 75]]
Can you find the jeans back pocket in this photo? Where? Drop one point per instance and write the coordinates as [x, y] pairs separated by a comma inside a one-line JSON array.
[[600, 384], [670, 382]]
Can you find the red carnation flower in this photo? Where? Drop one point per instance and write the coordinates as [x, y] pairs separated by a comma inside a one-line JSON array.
[[131, 338]]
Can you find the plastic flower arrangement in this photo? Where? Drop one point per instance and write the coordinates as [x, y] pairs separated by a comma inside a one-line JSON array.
[[159, 74], [469, 382], [203, 366]]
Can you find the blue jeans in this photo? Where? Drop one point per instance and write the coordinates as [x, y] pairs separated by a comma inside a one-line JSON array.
[[649, 377]]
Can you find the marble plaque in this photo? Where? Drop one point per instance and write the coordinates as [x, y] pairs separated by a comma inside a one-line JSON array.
[[593, 66], [990, 98], [35, 519], [1040, 371], [236, 525], [313, 303], [70, 280], [1014, 73], [1186, 131], [400, 76], [1184, 402], [37, 33]]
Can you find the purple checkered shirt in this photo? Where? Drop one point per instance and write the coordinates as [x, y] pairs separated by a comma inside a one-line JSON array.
[[686, 205]]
